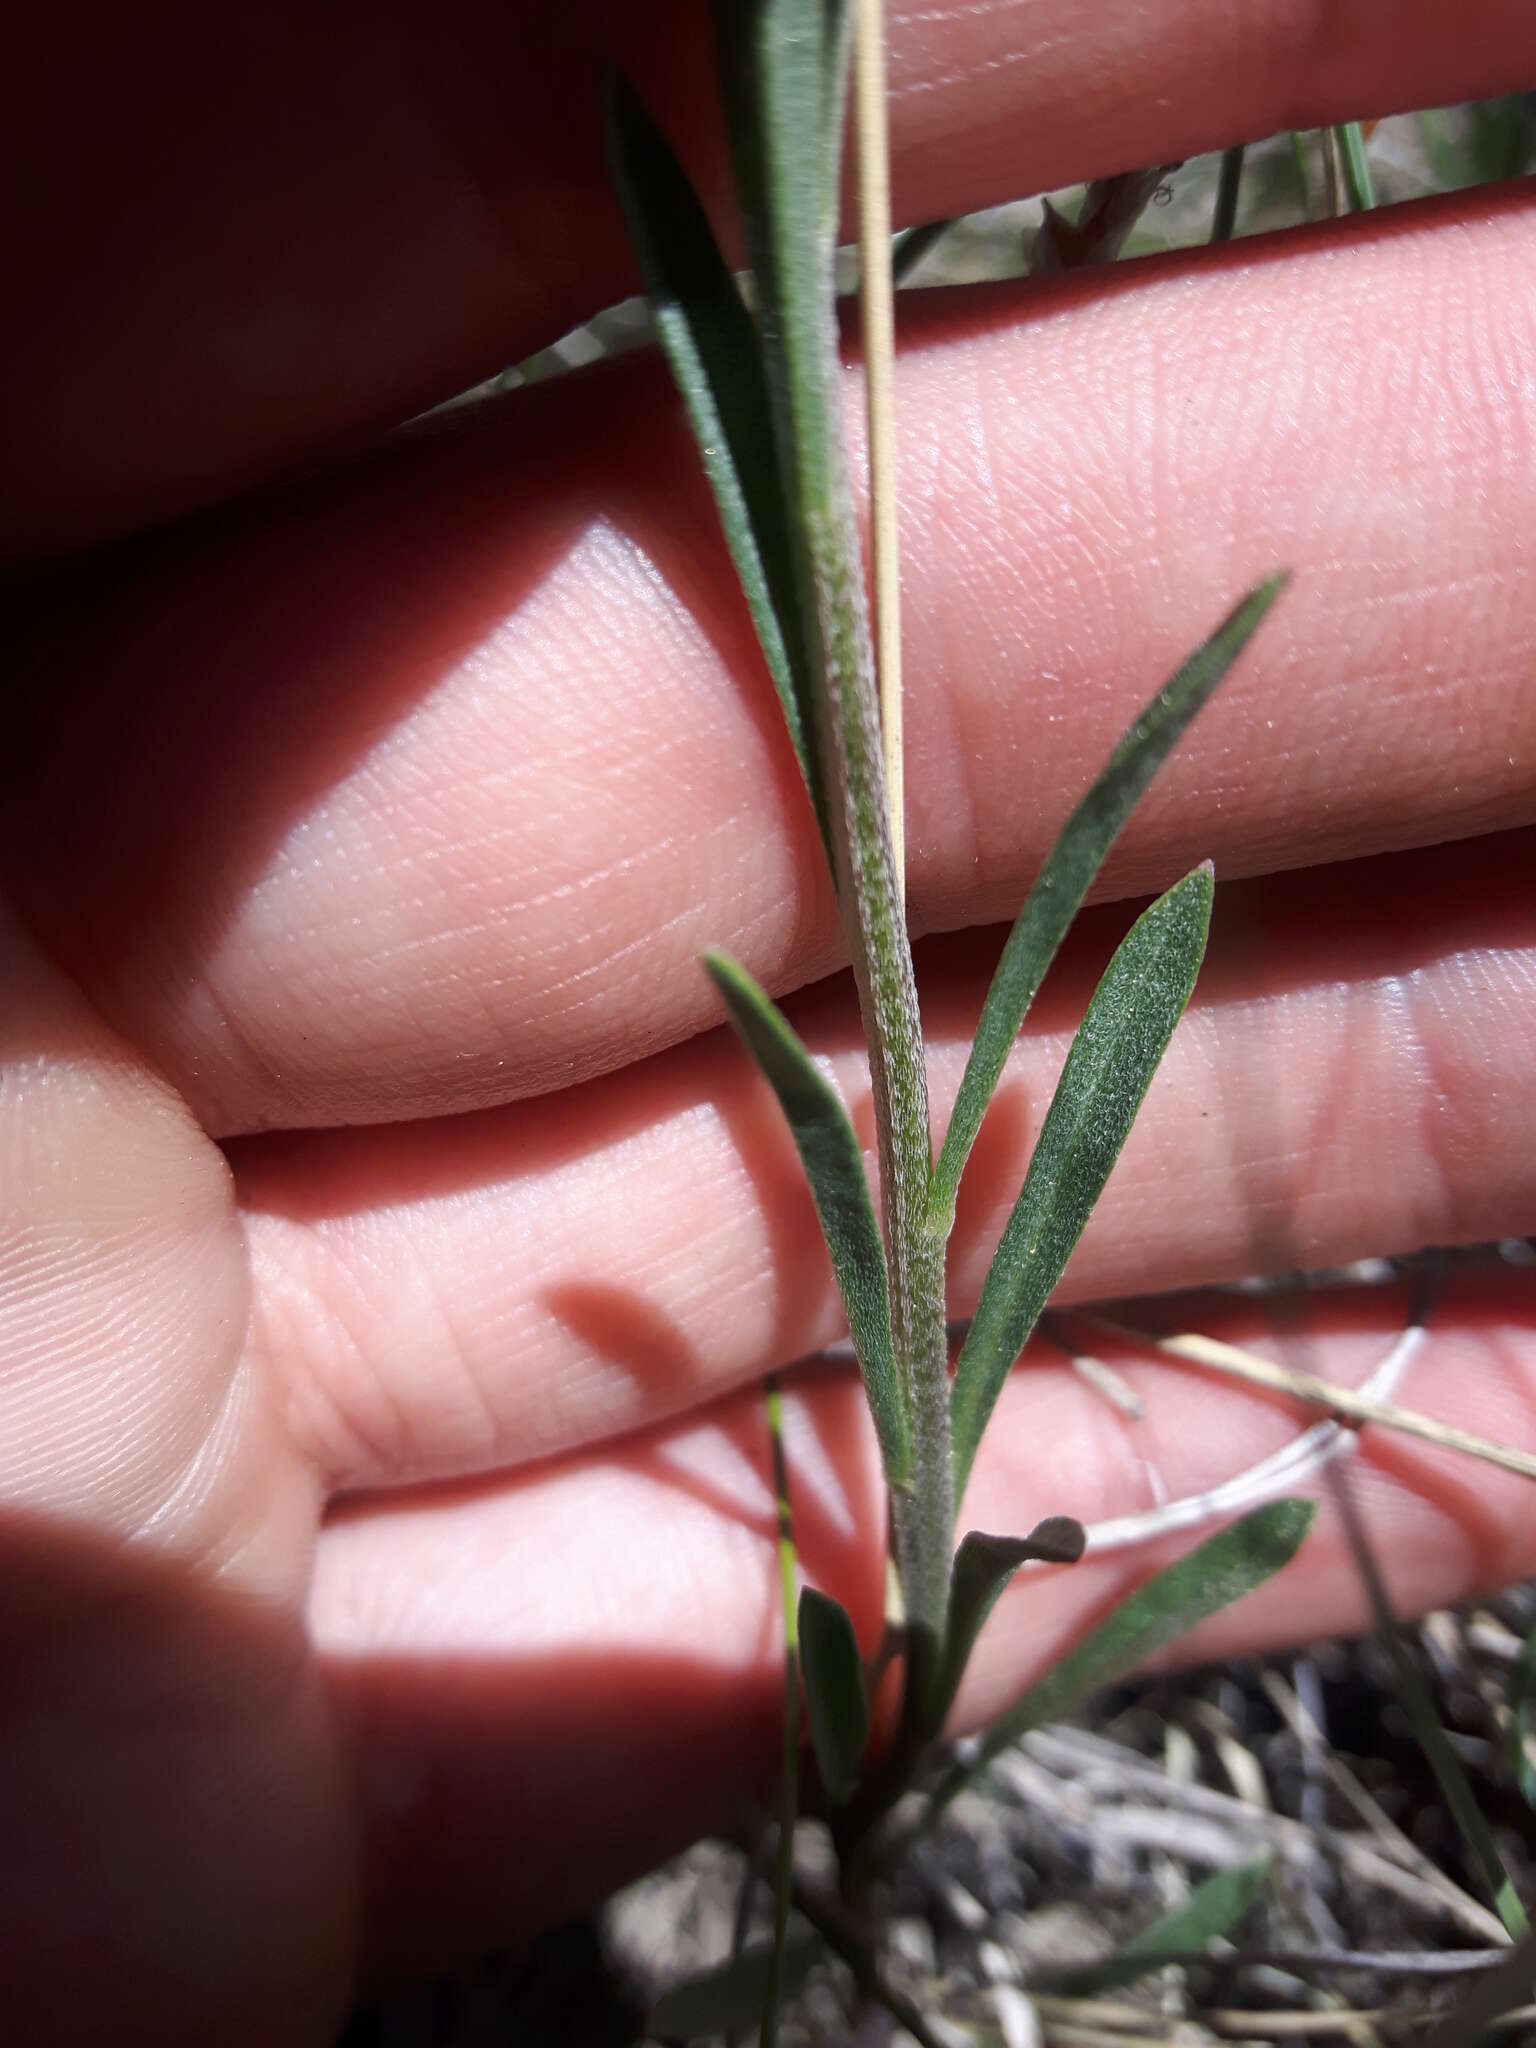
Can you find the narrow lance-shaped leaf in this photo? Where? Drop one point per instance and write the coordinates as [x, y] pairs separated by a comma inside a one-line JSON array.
[[837, 46], [834, 1692], [1069, 872], [1213, 1910], [1108, 1071], [829, 1152], [712, 345], [1212, 1576], [983, 1567]]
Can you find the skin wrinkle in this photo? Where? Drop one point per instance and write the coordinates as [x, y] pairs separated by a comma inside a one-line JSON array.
[[326, 175], [499, 1704], [1439, 1524], [1300, 1171], [487, 980]]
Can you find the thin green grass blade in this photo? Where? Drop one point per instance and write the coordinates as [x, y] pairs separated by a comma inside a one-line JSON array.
[[729, 2000], [1107, 1073], [829, 1152], [1414, 1698], [1212, 1576], [1213, 1911], [910, 247], [789, 1759], [1069, 872], [711, 343], [983, 1567], [1357, 166], [834, 1692], [1522, 1727]]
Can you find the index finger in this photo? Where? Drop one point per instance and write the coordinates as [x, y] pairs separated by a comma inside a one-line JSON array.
[[237, 236]]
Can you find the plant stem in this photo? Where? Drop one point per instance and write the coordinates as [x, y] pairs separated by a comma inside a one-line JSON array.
[[778, 77], [789, 1763], [1357, 168], [924, 1528], [878, 320], [1328, 143], [845, 1937], [1299, 159], [1226, 193]]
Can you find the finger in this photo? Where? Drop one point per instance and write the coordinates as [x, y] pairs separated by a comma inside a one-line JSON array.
[[176, 1857], [586, 1662], [426, 793], [487, 1291], [322, 220]]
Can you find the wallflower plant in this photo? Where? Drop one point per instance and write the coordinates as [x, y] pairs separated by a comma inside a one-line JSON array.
[[761, 383]]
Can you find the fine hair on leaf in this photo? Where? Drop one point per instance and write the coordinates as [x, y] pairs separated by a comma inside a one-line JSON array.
[[834, 1167], [1069, 872], [1108, 1070], [835, 1703]]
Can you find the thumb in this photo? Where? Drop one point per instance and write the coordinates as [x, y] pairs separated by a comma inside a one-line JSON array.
[[174, 1854]]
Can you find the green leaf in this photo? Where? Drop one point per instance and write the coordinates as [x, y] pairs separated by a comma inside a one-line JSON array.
[[1107, 1073], [834, 1692], [784, 75], [829, 1152], [1069, 873], [730, 1999], [712, 346], [1212, 1576], [983, 1567], [1522, 1729], [1213, 1910]]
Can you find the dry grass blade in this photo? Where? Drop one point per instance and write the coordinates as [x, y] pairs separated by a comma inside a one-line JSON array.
[[1343, 1402], [1472, 1915], [1105, 2023], [1419, 1708], [1098, 1768]]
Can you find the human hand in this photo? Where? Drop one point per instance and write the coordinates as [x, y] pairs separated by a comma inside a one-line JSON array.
[[359, 841]]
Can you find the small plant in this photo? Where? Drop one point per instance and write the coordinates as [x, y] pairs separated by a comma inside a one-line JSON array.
[[762, 388]]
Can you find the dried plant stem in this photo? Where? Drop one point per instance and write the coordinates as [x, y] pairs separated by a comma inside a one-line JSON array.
[[1215, 1356], [876, 299]]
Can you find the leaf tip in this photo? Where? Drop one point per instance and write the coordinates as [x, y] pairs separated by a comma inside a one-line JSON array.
[[1291, 1521], [1060, 1539], [721, 969]]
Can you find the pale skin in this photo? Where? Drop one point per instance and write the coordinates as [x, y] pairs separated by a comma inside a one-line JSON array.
[[365, 1123]]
